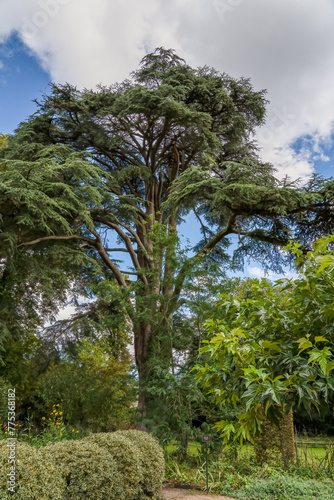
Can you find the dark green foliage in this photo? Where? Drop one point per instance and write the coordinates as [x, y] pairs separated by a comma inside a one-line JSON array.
[[282, 488], [96, 390], [126, 163], [182, 410]]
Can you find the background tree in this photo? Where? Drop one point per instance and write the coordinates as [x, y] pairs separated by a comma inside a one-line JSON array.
[[128, 162], [95, 388]]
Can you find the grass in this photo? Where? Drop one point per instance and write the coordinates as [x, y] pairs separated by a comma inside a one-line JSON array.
[[236, 474], [195, 448]]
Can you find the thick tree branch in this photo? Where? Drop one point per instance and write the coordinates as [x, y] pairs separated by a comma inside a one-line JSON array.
[[209, 245], [128, 228], [263, 235], [129, 248], [117, 250], [219, 236], [109, 263]]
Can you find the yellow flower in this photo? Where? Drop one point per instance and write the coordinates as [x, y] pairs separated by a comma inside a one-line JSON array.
[[29, 407], [61, 413], [72, 430], [61, 434], [49, 418], [58, 423], [43, 418], [6, 432], [56, 413], [77, 432], [54, 405], [57, 405]]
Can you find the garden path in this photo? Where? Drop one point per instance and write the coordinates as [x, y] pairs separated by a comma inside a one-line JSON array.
[[178, 494]]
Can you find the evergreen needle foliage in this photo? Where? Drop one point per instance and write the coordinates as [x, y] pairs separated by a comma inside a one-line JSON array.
[[129, 161]]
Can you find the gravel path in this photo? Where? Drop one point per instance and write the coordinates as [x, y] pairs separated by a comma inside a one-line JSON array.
[[178, 494]]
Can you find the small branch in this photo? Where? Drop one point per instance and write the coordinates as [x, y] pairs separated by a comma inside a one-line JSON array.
[[59, 238], [201, 223], [204, 250]]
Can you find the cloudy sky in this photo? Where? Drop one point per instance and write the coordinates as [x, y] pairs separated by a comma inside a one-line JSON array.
[[284, 46]]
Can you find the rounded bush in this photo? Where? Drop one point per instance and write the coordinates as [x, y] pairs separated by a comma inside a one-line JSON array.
[[89, 471], [152, 462], [127, 459], [36, 476]]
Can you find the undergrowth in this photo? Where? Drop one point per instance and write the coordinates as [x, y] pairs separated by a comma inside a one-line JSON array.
[[237, 475]]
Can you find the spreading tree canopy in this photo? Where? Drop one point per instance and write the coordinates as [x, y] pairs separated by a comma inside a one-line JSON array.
[[272, 350], [128, 162]]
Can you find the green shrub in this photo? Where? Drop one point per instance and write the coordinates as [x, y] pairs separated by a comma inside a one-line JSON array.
[[127, 458], [282, 488], [3, 398], [89, 470], [36, 476], [95, 389], [152, 462]]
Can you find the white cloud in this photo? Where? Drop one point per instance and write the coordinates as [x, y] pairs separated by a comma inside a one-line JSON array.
[[66, 312], [286, 47], [257, 272]]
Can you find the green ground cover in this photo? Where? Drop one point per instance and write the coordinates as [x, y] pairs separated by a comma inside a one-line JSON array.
[[234, 472]]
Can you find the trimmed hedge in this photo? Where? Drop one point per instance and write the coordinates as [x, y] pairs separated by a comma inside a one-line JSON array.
[[152, 462], [127, 459], [122, 465], [89, 471], [36, 476]]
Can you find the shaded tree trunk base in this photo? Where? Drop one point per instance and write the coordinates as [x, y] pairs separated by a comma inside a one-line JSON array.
[[276, 442]]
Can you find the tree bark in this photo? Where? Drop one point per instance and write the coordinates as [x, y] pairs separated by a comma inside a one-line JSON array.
[[276, 442], [142, 333]]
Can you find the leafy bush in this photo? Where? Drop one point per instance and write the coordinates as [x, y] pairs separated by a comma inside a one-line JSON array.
[[89, 471], [96, 390], [3, 397], [36, 475], [281, 488], [151, 460], [127, 458]]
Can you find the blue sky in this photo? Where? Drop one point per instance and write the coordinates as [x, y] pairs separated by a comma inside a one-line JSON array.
[[21, 80], [285, 47]]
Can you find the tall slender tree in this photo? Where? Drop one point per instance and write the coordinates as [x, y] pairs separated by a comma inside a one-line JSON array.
[[131, 160]]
